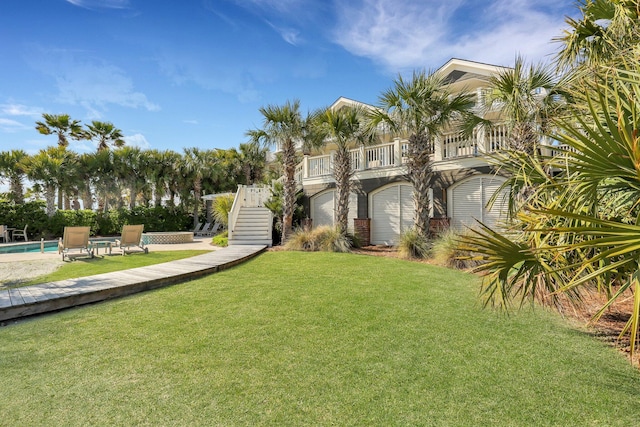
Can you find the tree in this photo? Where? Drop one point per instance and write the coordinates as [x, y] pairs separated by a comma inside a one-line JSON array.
[[606, 32], [195, 165], [253, 158], [527, 98], [47, 167], [105, 135], [345, 128], [13, 166], [285, 128], [130, 165], [581, 231], [421, 108], [62, 126]]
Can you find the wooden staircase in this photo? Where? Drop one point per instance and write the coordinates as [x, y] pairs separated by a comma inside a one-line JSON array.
[[252, 227], [250, 223]]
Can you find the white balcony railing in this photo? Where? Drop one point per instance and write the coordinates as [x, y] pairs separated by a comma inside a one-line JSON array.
[[395, 154]]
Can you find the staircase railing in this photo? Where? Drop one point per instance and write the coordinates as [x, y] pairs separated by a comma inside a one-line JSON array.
[[252, 196]]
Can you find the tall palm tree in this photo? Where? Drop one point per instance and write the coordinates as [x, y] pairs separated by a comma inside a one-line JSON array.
[[285, 128], [62, 126], [130, 164], [103, 177], [47, 167], [13, 166], [253, 158], [527, 98], [105, 135], [421, 109], [345, 128], [195, 165]]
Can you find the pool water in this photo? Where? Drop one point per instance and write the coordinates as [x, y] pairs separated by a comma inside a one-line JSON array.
[[28, 247]]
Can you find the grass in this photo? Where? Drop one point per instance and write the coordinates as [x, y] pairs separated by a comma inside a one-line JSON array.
[[295, 338], [81, 267]]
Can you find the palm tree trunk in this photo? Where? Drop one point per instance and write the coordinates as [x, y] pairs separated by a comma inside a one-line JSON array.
[[50, 197], [132, 196], [420, 174], [342, 173], [197, 189], [288, 204], [17, 191]]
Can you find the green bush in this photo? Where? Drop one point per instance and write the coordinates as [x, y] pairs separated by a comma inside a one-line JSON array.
[[221, 208], [102, 223], [30, 213], [221, 239], [72, 218]]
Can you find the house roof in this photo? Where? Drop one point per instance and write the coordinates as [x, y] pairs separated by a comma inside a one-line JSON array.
[[457, 72]]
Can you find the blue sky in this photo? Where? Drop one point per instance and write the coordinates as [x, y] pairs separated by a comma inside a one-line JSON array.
[[193, 73]]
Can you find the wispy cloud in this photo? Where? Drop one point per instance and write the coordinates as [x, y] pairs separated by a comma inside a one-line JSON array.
[[288, 34], [137, 140], [100, 4], [20, 110], [11, 126], [235, 78], [92, 83], [411, 34]]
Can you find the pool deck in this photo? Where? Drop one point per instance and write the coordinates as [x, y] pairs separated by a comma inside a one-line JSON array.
[[53, 296]]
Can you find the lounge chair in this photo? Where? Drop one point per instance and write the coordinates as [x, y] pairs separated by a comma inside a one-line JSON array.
[[131, 236], [204, 230], [75, 238], [197, 228], [20, 233], [212, 230]]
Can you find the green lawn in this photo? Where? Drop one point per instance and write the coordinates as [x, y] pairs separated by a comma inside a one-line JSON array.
[[81, 267], [312, 339]]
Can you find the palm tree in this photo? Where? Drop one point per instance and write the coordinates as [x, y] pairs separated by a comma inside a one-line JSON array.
[[527, 98], [62, 126], [47, 167], [130, 165], [284, 127], [582, 232], [421, 108], [345, 128], [253, 159], [105, 135], [607, 29], [13, 166], [195, 165]]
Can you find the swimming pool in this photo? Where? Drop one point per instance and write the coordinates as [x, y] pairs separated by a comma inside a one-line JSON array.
[[18, 248]]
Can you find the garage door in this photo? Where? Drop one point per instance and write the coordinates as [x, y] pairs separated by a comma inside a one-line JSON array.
[[323, 209], [468, 199], [391, 211]]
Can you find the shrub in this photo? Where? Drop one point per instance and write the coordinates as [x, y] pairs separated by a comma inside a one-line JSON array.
[[221, 208], [221, 239], [446, 253], [323, 238], [413, 245]]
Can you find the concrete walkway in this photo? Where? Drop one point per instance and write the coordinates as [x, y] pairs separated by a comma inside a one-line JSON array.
[[46, 297]]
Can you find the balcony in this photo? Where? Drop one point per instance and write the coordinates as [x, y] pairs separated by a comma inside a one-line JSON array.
[[393, 155]]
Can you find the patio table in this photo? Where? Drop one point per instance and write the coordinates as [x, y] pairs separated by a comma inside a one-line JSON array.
[[106, 244]]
